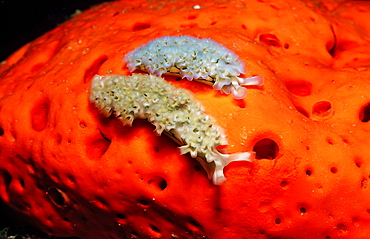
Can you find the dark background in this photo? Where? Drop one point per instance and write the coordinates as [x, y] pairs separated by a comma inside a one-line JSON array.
[[20, 23], [23, 21]]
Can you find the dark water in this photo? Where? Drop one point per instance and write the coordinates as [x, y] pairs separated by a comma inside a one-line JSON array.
[[23, 21]]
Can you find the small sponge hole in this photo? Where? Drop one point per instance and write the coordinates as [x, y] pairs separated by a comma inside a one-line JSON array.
[[158, 182], [358, 162], [5, 178], [277, 221], [302, 210], [322, 110], [58, 197], [40, 114], [299, 87], [94, 68], [308, 172], [140, 26], [269, 40], [96, 147], [193, 225], [301, 110], [365, 113], [334, 170], [266, 149], [154, 231]]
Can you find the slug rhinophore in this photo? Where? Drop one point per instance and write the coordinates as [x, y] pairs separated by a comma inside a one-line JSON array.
[[203, 60], [172, 111]]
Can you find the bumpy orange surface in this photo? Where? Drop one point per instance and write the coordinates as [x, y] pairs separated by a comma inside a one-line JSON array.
[[72, 172]]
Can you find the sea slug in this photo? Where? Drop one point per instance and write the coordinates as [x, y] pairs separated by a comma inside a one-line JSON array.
[[172, 111], [203, 60]]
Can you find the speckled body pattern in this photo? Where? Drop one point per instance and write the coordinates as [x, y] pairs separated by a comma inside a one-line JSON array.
[[194, 59], [169, 109]]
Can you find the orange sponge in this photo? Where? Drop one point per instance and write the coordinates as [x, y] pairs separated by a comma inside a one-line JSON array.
[[71, 171]]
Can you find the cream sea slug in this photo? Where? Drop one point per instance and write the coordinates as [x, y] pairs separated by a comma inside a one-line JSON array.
[[172, 111], [203, 60]]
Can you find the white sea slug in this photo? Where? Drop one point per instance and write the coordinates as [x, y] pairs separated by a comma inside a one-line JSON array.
[[172, 111], [203, 60]]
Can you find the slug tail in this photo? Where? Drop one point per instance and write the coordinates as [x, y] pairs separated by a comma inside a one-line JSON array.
[[254, 80], [215, 169]]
